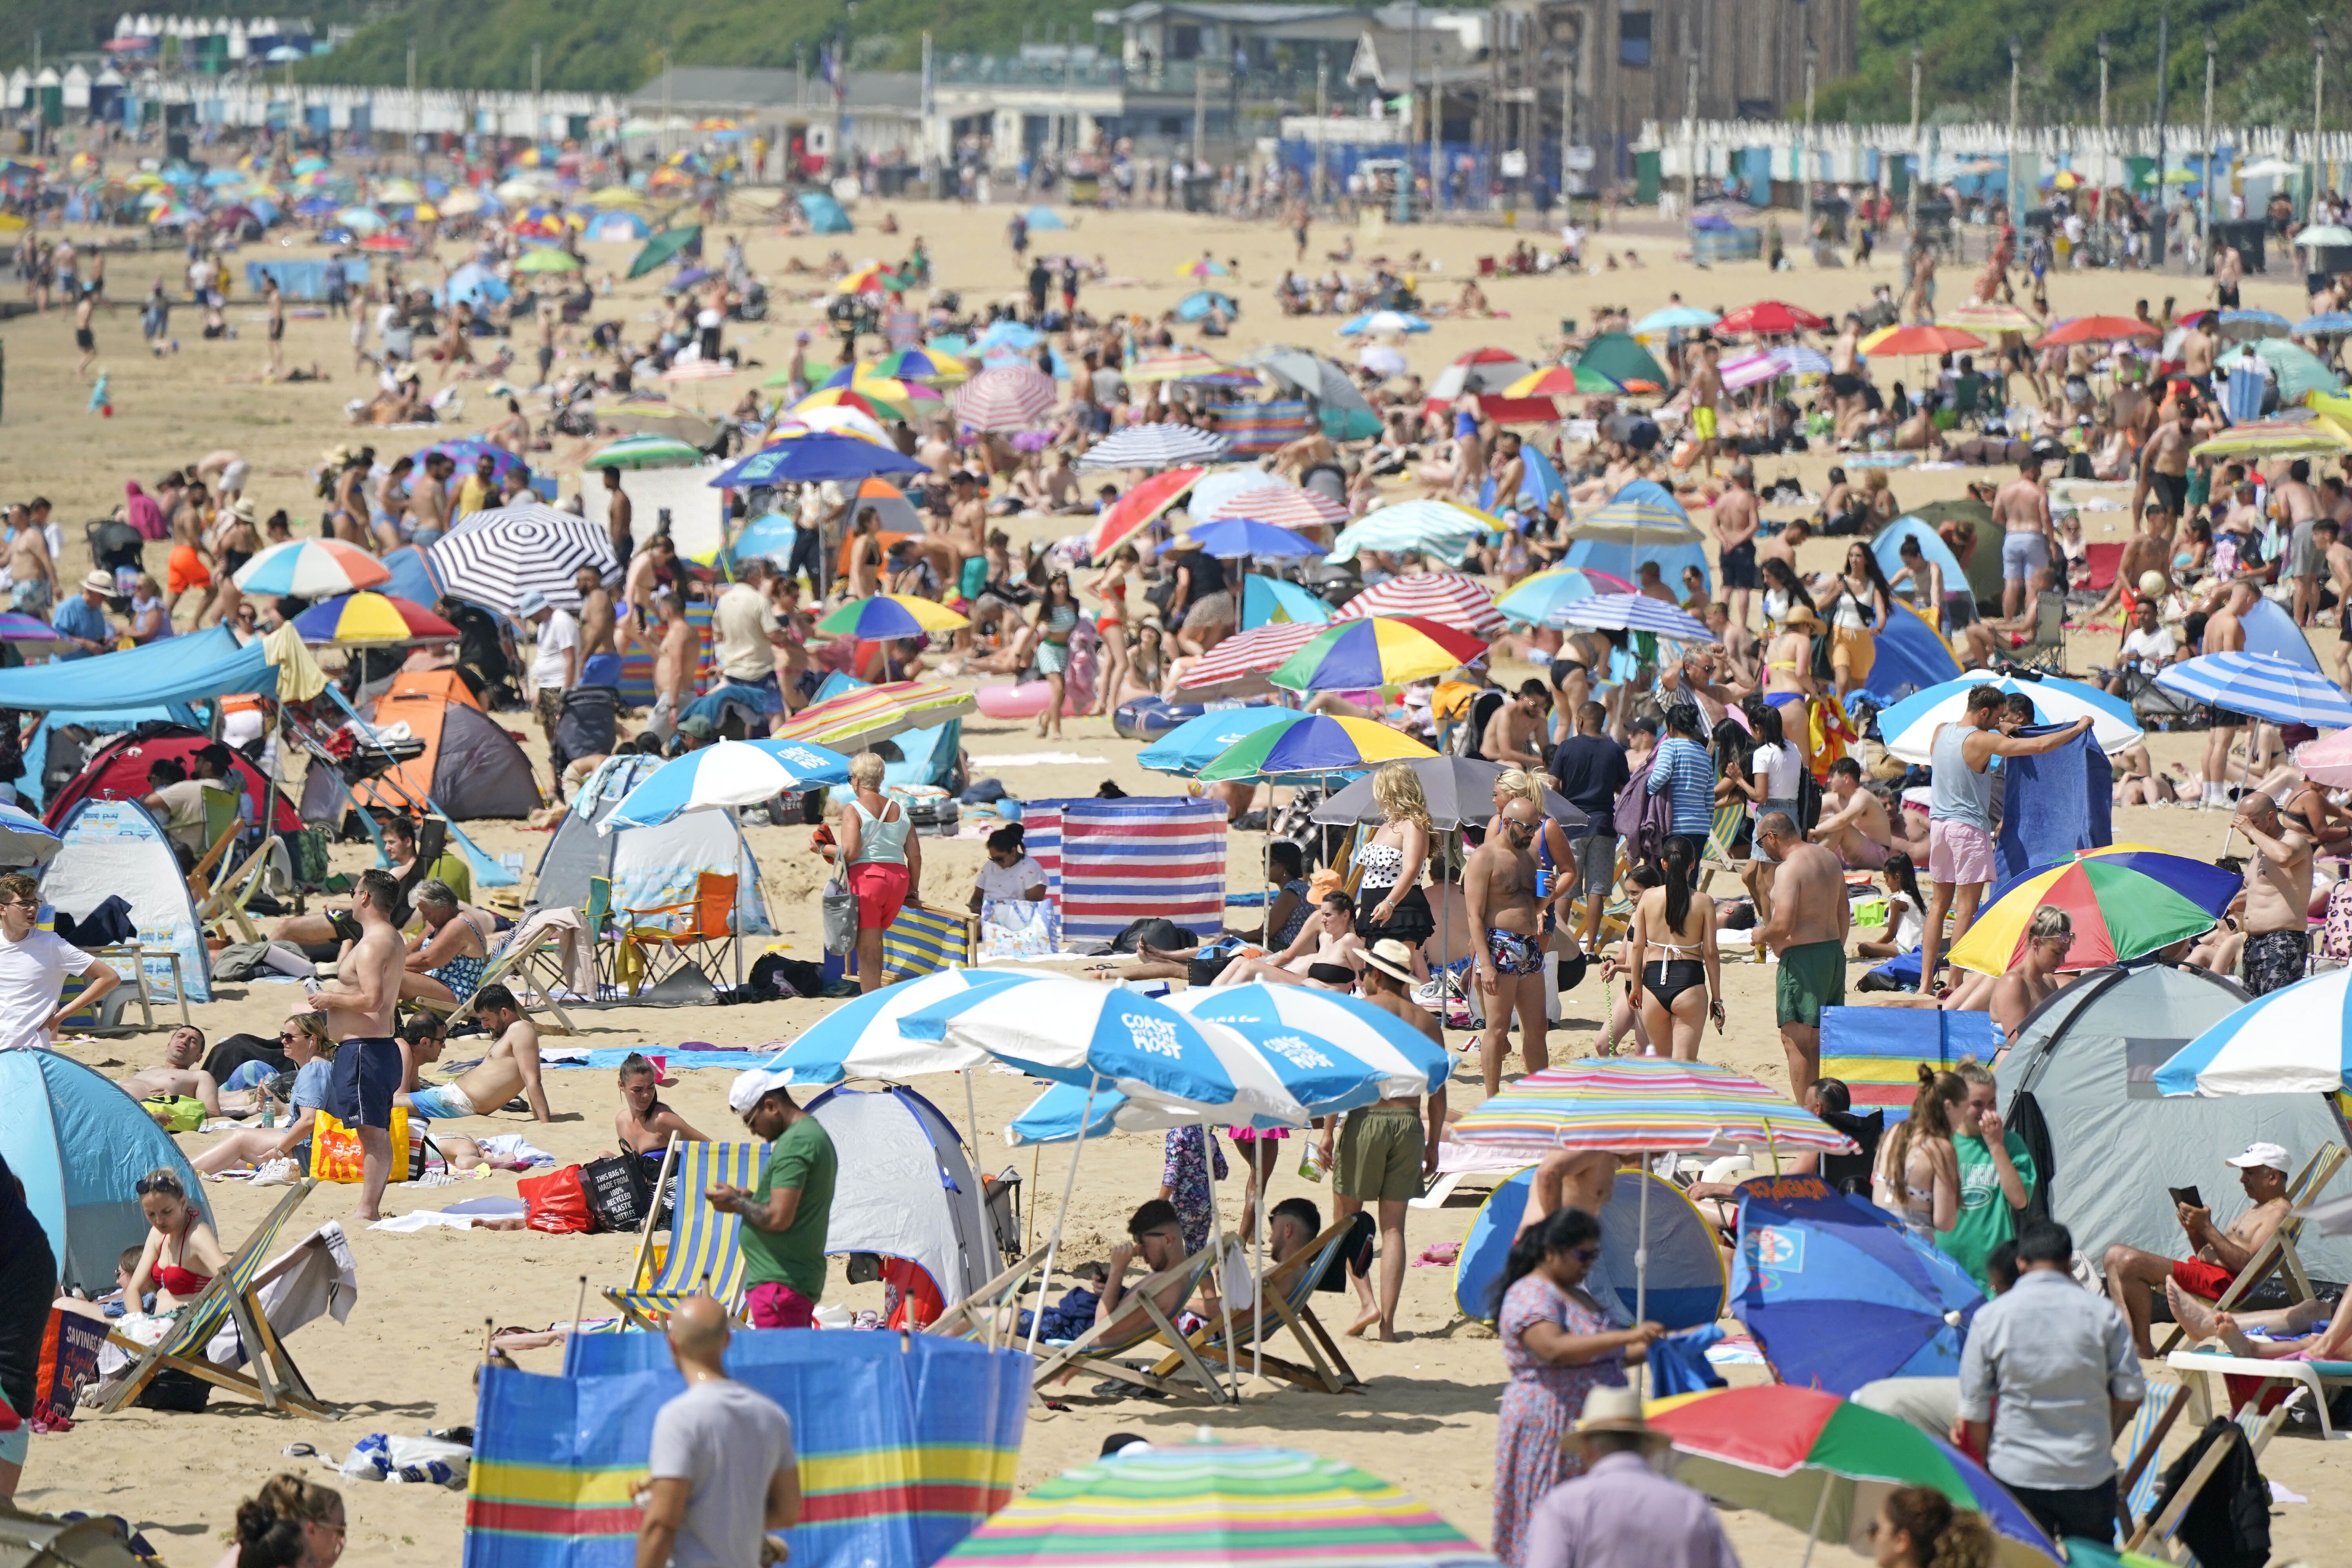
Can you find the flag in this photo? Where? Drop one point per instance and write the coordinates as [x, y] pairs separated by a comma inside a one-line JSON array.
[[828, 67]]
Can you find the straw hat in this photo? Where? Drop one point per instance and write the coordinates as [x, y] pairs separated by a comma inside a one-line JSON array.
[[99, 583], [1798, 616], [1618, 1410], [1392, 958], [242, 508]]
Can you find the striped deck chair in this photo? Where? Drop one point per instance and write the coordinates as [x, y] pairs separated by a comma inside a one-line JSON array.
[[1093, 1353], [1722, 837], [274, 1380], [703, 1259], [2160, 1516], [925, 941], [1877, 1051], [1288, 1291]]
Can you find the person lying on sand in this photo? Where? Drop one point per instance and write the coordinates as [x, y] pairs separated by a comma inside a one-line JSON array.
[[178, 1075], [510, 1067], [303, 1037]]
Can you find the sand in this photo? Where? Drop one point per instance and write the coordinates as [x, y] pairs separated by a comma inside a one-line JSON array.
[[402, 1362]]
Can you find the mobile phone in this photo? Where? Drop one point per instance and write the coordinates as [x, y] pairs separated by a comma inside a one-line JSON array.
[[2186, 1195]]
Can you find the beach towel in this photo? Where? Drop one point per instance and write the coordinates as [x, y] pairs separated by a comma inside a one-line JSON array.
[[2054, 805]]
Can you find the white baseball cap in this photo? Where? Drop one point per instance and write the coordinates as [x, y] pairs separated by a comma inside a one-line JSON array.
[[754, 1086], [2269, 1154]]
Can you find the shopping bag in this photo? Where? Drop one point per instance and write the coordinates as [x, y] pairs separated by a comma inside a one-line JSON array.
[[840, 918]]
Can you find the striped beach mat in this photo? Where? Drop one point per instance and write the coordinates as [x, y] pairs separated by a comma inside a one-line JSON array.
[[1877, 1051], [1258, 428], [924, 942]]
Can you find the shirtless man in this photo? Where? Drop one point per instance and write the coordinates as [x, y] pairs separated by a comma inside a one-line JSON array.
[[2218, 1253], [1807, 927], [179, 1074], [510, 1067], [31, 576], [2028, 543], [2229, 271], [2278, 894], [2015, 996], [1387, 1150], [634, 620], [968, 514], [1156, 1239], [620, 517], [1854, 825], [1782, 546], [597, 628], [2164, 465], [2296, 506], [275, 302], [1705, 396], [359, 1003], [85, 336], [2225, 632], [1585, 1180], [1505, 922], [428, 496], [673, 640], [1515, 735], [1737, 518], [2150, 550]]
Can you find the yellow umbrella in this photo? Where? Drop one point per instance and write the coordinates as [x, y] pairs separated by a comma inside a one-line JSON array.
[[616, 197]]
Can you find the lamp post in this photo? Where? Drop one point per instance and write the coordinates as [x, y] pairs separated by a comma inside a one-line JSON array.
[[2008, 175], [1918, 163], [2205, 184], [2106, 174], [1811, 164], [2163, 111], [2318, 89]]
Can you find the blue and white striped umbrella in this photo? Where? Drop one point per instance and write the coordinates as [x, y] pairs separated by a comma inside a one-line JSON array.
[[1634, 613], [1432, 527], [1377, 321], [1272, 1018], [1799, 360], [1909, 727], [2261, 684], [2238, 326], [861, 1039], [1077, 1032], [2325, 323], [1164, 446], [25, 840], [725, 774], [2297, 1041]]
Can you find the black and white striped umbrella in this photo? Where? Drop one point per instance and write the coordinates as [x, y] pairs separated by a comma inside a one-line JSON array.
[[1155, 447], [494, 557]]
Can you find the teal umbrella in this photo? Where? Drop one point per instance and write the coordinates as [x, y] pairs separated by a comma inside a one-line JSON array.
[[662, 247], [2300, 372]]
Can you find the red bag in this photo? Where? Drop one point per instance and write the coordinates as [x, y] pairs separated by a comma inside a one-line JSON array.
[[556, 1203]]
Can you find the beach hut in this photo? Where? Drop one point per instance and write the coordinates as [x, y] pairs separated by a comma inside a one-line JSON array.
[[80, 1144]]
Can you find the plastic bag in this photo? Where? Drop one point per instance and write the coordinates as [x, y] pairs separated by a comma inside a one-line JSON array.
[[840, 906], [556, 1203]]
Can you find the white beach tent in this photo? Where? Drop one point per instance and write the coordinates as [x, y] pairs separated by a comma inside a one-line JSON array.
[[114, 846], [905, 1188]]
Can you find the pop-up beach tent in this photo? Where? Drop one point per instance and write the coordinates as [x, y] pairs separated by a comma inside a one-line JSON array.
[[114, 846], [470, 766], [650, 868], [80, 1144], [117, 770], [905, 1189]]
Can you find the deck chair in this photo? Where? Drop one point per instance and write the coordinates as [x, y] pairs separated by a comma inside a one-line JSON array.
[[2154, 1530], [538, 964], [2135, 1486], [977, 1316], [2046, 650], [703, 1259], [1722, 836], [1288, 1291], [2324, 1379], [224, 819], [926, 941], [2278, 1254], [1093, 1353], [273, 1381], [223, 909]]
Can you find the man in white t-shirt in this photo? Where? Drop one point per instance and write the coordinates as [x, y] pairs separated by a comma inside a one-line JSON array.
[[723, 1470], [745, 631], [2149, 646], [33, 965], [555, 665]]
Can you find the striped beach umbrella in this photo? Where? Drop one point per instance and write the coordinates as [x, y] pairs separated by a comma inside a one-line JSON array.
[[1431, 527], [1155, 447], [2285, 438], [1647, 1104], [2120, 904], [1174, 365], [1564, 381], [353, 620], [1379, 650], [2262, 684], [1375, 323], [1988, 316], [25, 840], [920, 365], [874, 713], [861, 1039], [700, 370], [1406, 1062], [494, 557], [830, 419], [1209, 1505], [1449, 598], [885, 616], [1006, 398], [1246, 659], [1286, 505], [466, 451], [310, 569], [29, 632], [725, 774], [1537, 600], [2295, 1040], [1312, 744], [1142, 505], [1909, 727], [1926, 340], [645, 451], [1636, 613]]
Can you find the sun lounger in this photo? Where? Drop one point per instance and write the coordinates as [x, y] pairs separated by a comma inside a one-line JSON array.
[[2278, 1254], [1288, 1291], [274, 1380], [2323, 1378], [980, 1315], [703, 1258], [1092, 1353], [2153, 1534]]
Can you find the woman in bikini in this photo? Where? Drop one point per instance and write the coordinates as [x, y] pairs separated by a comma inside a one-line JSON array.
[[1917, 1178], [1326, 953], [1674, 954], [1054, 617], [1110, 586], [1388, 899], [446, 960], [182, 1254], [1146, 663], [645, 1123]]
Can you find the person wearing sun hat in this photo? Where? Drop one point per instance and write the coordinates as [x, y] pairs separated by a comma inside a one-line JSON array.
[[1620, 1512], [81, 619]]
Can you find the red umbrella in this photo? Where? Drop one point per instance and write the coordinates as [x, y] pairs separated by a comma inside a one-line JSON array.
[[1771, 317], [1136, 509], [1924, 340], [2099, 330]]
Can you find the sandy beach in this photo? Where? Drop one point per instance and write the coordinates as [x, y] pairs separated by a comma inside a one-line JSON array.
[[1425, 1417]]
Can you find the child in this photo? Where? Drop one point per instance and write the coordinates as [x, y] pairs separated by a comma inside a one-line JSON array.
[[1905, 922]]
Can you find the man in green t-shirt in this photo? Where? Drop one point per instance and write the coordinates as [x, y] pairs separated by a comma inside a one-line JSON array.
[[784, 1220], [1997, 1178]]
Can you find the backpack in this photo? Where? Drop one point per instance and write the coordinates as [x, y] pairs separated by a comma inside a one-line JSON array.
[[1823, 670], [1809, 800]]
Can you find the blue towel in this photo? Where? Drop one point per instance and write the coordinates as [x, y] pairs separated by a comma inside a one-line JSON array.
[[1678, 1363], [2054, 805]]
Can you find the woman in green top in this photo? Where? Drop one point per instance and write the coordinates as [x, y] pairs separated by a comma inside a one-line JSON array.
[[1055, 616], [1996, 1174]]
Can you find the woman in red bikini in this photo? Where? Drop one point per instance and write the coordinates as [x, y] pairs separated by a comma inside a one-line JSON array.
[[181, 1253]]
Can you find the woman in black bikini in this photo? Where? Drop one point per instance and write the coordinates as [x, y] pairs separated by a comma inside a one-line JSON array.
[[645, 1123], [1673, 940]]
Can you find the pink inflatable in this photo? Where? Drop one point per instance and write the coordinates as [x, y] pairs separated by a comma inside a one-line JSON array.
[[1027, 700]]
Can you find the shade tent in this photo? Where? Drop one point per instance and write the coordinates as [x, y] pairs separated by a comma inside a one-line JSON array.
[[470, 766], [2079, 1086], [33, 791], [80, 1144], [179, 669], [1686, 1285], [1912, 658], [117, 770], [2270, 629], [114, 846], [823, 214], [1888, 546], [905, 1188], [414, 575], [650, 866]]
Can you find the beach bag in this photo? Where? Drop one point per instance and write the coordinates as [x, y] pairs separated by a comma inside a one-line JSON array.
[[619, 1192], [556, 1202], [174, 1112], [1019, 928], [840, 906], [335, 1149]]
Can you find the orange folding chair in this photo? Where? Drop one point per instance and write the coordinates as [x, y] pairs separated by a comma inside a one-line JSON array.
[[700, 941]]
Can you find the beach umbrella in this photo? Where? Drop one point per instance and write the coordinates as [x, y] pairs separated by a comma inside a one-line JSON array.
[[1563, 381], [700, 370], [1651, 517], [1202, 302], [360, 220], [834, 419], [2099, 330], [1636, 613], [884, 617], [663, 246], [1537, 600], [1379, 650], [1922, 340], [310, 569], [1821, 1464], [1201, 271], [1196, 742], [547, 258], [28, 633], [2327, 236], [1229, 537], [608, 226], [645, 451], [1241, 663], [358, 619], [2262, 684], [1142, 505], [873, 713], [1266, 599], [1379, 322], [24, 839], [1174, 365], [724, 775], [1675, 318], [494, 557], [2327, 762], [1162, 446], [1837, 1292], [1272, 500], [1211, 1505], [2282, 438], [2327, 323], [2242, 326], [1772, 318], [1006, 398], [1909, 726], [860, 1038], [465, 452], [2120, 906], [1018, 336], [920, 365], [1989, 315], [1449, 598], [1430, 527], [1617, 356], [813, 459], [643, 418], [2295, 1040], [2298, 371], [1381, 360], [1312, 744], [1456, 789], [863, 397], [875, 280]]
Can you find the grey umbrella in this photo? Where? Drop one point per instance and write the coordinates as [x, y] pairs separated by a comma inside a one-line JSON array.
[[1458, 790]]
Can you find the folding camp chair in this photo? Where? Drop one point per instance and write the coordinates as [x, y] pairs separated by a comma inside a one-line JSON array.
[[1287, 1289], [980, 1315], [275, 1381], [2278, 1253], [703, 1259], [704, 938], [223, 909], [1722, 839], [224, 817], [1091, 1352], [538, 964], [2047, 648]]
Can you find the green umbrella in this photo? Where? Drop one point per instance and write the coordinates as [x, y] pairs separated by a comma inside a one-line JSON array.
[[1617, 356], [548, 259], [2300, 372], [646, 452], [662, 247], [816, 370]]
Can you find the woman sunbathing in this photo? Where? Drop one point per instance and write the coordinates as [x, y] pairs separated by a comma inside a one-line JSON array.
[[1326, 953], [644, 1124]]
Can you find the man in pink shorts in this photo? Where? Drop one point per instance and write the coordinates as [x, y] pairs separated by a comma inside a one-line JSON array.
[[1960, 812], [784, 1218]]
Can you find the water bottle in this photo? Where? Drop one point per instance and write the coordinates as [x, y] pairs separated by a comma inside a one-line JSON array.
[[268, 1116]]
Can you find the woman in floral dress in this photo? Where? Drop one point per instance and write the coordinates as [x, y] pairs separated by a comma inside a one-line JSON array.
[[1184, 1179], [1558, 1346]]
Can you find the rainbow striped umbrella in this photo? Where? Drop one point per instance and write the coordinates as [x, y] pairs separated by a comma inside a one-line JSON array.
[[2123, 903], [1204, 1505], [1646, 1103], [311, 569], [646, 452], [353, 619], [887, 616], [876, 712], [1379, 650], [1312, 744]]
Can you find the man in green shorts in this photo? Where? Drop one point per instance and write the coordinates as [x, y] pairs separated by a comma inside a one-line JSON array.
[[1808, 931], [785, 1219]]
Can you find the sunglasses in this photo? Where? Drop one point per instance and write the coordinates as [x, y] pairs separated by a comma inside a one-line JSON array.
[[1585, 1255], [168, 1186]]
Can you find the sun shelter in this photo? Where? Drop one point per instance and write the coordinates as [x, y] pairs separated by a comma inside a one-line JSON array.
[[1110, 863], [47, 753], [80, 1144], [2079, 1085], [114, 846], [1686, 1285], [117, 770], [187, 668], [823, 214], [1911, 657], [905, 1189], [651, 868], [470, 766]]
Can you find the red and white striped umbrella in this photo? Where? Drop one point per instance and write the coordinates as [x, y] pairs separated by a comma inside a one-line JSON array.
[[1449, 598], [1247, 656], [1008, 397], [1286, 505]]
